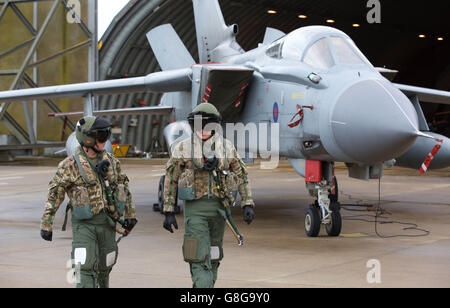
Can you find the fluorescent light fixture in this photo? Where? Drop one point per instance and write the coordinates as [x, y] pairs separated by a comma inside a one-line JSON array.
[[271, 12], [355, 25], [330, 21], [302, 16]]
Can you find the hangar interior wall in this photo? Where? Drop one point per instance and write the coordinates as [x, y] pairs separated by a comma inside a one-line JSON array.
[[68, 68]]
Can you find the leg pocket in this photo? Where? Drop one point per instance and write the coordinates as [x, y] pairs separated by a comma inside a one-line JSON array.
[[108, 250], [84, 253], [196, 245], [195, 249], [190, 248], [216, 253]]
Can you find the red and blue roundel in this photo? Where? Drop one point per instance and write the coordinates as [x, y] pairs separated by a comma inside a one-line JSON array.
[[275, 112]]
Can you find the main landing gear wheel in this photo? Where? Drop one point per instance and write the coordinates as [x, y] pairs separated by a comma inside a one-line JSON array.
[[159, 207], [312, 222]]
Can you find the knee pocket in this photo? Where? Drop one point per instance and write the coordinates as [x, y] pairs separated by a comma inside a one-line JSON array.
[[216, 253], [108, 259], [85, 255], [195, 250]]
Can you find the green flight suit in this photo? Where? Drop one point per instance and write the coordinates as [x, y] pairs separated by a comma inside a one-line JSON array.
[[204, 226], [94, 248]]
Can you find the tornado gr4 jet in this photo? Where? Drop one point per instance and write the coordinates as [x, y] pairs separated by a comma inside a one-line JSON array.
[[329, 102]]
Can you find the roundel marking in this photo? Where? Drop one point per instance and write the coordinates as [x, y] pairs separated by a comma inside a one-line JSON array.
[[275, 112]]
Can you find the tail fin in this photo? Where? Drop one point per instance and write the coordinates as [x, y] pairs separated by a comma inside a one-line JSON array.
[[168, 48], [216, 41]]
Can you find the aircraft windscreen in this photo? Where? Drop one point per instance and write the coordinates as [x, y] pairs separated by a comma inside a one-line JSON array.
[[344, 53], [319, 55], [318, 47]]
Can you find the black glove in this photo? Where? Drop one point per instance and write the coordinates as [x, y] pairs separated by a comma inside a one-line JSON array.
[[210, 163], [129, 224], [169, 221], [249, 214], [102, 168], [47, 235]]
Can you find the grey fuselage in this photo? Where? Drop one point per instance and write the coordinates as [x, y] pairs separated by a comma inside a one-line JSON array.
[[357, 115]]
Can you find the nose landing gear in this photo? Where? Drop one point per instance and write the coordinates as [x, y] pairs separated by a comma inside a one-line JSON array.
[[326, 209]]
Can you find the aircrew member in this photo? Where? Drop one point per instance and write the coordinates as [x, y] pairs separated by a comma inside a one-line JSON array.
[[99, 196], [193, 176]]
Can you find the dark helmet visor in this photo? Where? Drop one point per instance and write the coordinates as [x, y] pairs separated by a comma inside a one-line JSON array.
[[205, 119], [101, 134]]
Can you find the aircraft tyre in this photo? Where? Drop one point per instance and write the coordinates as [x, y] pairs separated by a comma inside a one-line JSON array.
[[335, 226], [312, 222]]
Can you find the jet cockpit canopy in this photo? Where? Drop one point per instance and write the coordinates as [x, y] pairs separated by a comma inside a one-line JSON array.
[[318, 46]]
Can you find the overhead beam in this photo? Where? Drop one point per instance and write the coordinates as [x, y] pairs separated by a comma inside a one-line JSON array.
[[13, 147]]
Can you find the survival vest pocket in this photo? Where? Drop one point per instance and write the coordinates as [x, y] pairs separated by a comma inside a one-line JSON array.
[[120, 196], [186, 187], [82, 209]]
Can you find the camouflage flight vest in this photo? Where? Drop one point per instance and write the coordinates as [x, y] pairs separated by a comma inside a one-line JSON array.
[[83, 210], [186, 187]]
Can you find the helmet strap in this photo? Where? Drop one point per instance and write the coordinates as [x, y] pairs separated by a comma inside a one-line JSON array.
[[91, 148]]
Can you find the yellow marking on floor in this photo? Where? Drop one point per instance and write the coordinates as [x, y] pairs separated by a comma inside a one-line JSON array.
[[353, 235]]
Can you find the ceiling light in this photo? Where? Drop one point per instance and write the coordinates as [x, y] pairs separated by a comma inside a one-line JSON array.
[[355, 25], [271, 12], [440, 38], [330, 21], [422, 35], [302, 16]]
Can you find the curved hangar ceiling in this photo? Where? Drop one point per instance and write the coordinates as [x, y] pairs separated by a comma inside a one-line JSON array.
[[125, 51]]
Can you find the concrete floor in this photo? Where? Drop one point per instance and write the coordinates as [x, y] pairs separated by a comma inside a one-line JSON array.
[[277, 253]]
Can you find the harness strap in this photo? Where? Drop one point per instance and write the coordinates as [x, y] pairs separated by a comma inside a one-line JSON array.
[[68, 207], [80, 167]]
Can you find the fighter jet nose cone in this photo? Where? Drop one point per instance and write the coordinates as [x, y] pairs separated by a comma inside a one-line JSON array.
[[372, 122]]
